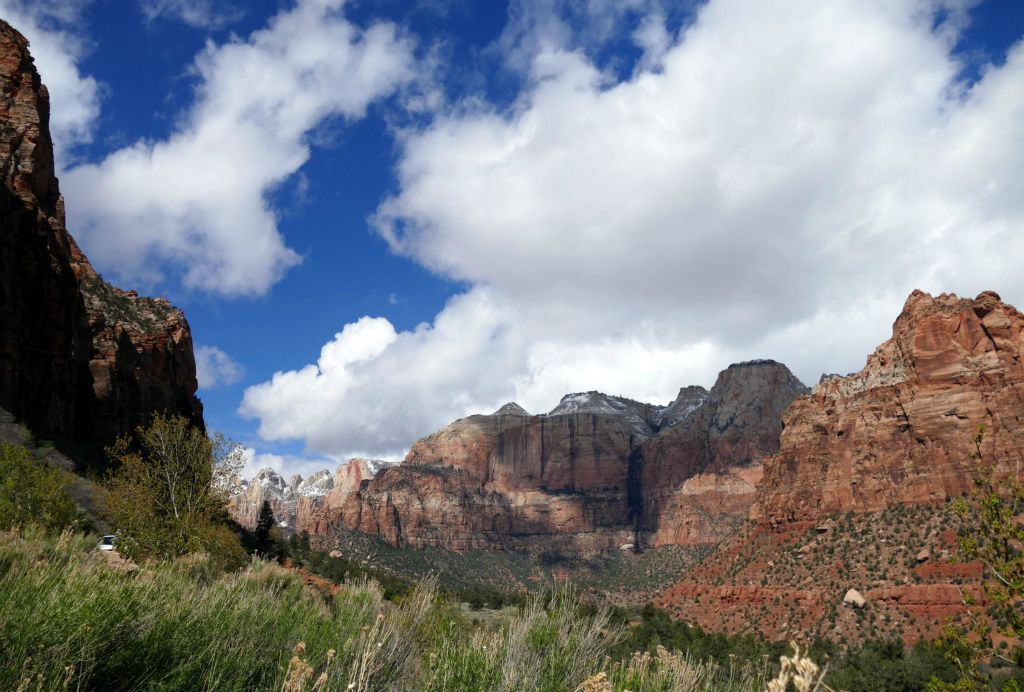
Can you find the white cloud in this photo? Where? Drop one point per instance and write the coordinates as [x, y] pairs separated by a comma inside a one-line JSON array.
[[197, 201], [214, 368], [284, 464], [57, 49], [776, 188], [202, 14], [535, 26]]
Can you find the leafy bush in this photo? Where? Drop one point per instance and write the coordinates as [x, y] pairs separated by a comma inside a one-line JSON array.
[[31, 492], [167, 495]]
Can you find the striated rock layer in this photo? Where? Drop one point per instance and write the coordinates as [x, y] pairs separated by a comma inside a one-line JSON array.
[[901, 430], [598, 472], [80, 360], [141, 359]]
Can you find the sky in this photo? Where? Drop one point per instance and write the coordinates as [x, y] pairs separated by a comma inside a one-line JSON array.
[[382, 215]]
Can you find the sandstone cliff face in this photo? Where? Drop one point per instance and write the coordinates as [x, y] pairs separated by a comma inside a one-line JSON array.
[[507, 481], [598, 472], [80, 360], [700, 473], [141, 359], [900, 430], [44, 336]]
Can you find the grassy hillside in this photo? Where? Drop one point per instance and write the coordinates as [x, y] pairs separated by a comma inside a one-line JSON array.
[[72, 620]]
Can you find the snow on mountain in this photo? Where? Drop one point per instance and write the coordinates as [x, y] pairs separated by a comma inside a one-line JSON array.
[[511, 409], [689, 400], [377, 465]]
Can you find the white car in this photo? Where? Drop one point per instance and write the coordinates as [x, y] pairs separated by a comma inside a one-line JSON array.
[[107, 543]]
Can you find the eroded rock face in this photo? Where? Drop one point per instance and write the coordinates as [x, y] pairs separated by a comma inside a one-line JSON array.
[[901, 430], [595, 473], [699, 475], [141, 359], [298, 503], [44, 337], [80, 360]]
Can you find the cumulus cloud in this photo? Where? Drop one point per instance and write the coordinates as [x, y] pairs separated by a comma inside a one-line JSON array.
[[435, 368], [57, 49], [535, 26], [776, 187], [374, 390], [285, 464], [202, 14], [198, 201], [214, 368]]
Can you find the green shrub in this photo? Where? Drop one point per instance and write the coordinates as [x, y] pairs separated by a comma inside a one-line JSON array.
[[184, 624], [167, 495], [31, 492]]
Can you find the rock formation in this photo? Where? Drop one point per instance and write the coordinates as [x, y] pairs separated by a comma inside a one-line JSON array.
[[901, 430], [880, 450], [295, 503], [595, 473], [44, 337], [80, 361], [703, 470], [141, 359]]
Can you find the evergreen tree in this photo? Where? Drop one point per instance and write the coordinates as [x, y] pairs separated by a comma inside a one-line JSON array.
[[264, 524]]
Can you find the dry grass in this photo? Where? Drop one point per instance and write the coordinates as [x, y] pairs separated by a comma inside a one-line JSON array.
[[69, 621]]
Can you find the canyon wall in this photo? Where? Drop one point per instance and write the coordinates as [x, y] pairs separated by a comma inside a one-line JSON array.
[[854, 498], [44, 334], [902, 429], [598, 472], [702, 471], [80, 360]]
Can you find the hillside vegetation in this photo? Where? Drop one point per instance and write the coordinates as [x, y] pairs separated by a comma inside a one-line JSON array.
[[193, 612], [72, 621]]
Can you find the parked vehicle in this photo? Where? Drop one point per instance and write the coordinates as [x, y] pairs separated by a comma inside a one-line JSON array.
[[107, 542]]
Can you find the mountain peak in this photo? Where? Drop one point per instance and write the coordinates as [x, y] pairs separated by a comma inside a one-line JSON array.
[[511, 409]]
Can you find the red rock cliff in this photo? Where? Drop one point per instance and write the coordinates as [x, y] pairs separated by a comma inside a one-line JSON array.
[[80, 361], [900, 430], [509, 481], [44, 337], [596, 473]]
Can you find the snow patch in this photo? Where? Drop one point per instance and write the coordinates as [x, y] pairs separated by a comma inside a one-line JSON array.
[[377, 465]]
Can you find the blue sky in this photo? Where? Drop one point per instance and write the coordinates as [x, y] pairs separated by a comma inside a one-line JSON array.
[[381, 215]]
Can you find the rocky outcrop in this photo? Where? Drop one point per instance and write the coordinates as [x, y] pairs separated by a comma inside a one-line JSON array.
[[141, 359], [902, 429], [699, 475], [44, 337], [297, 503], [80, 360], [508, 480], [595, 473], [580, 446]]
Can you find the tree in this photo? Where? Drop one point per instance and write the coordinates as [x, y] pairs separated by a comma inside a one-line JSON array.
[[264, 526], [168, 491], [991, 535]]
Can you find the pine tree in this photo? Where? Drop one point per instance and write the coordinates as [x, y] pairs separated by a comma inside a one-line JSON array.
[[264, 524]]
